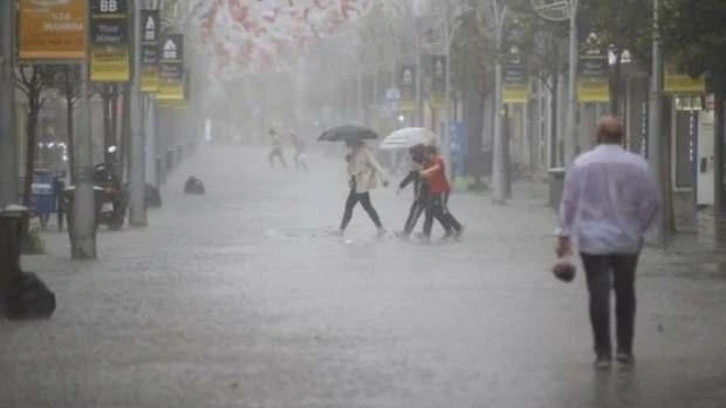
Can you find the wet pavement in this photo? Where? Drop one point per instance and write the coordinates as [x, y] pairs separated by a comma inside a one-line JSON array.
[[245, 298]]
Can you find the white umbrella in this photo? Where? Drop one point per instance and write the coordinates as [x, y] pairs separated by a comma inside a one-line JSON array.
[[407, 137]]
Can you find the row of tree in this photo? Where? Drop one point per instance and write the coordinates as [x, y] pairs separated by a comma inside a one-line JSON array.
[[40, 82]]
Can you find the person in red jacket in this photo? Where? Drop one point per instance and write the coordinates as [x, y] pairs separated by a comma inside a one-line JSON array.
[[439, 189]]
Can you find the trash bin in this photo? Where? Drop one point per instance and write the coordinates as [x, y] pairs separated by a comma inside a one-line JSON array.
[[11, 227], [557, 184]]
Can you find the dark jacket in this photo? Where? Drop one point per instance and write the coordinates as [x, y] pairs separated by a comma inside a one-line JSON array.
[[420, 187]]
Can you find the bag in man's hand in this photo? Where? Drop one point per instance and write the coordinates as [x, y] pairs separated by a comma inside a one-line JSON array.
[[564, 269]]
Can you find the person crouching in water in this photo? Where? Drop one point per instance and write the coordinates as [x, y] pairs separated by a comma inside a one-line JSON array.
[[420, 191], [363, 174], [439, 189]]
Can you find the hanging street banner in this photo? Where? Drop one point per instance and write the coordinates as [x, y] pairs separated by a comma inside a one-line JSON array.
[[516, 83], [110, 41], [593, 85], [438, 81], [679, 83], [407, 85], [171, 68], [150, 24], [52, 30]]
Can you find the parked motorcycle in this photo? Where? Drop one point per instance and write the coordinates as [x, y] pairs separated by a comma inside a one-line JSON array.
[[113, 198]]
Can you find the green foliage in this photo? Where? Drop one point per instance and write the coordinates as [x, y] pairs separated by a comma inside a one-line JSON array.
[[694, 35], [34, 244], [621, 24], [473, 55]]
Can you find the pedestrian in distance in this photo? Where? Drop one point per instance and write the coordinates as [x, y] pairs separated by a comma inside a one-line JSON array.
[[364, 171], [300, 158], [276, 152], [610, 199], [439, 189]]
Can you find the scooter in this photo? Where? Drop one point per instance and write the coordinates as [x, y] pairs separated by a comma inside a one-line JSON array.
[[113, 199]]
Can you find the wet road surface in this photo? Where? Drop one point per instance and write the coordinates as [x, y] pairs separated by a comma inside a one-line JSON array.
[[245, 298]]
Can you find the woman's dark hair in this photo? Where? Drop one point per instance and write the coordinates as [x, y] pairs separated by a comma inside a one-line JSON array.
[[431, 149]]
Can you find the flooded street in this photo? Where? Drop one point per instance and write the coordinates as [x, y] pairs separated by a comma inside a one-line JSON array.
[[245, 297]]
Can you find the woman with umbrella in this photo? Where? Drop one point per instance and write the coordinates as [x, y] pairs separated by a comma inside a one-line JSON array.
[[363, 171], [363, 174]]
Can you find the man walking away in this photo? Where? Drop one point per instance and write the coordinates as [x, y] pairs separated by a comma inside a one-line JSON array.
[[435, 175], [609, 201], [276, 151]]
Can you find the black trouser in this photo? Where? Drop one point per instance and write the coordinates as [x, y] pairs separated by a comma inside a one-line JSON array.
[[605, 272], [437, 209], [365, 201], [277, 152], [417, 208]]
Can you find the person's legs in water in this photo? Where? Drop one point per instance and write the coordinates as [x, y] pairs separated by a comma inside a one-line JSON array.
[[365, 200], [451, 221], [624, 267], [348, 212]]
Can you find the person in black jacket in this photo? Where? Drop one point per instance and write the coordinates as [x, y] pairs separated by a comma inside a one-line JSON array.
[[420, 191]]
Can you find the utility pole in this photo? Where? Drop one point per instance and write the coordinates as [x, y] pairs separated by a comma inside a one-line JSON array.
[[137, 206], [499, 162], [419, 117], [655, 137], [571, 141], [83, 226], [8, 141]]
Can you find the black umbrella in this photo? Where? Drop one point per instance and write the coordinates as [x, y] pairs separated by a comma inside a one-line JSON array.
[[347, 133]]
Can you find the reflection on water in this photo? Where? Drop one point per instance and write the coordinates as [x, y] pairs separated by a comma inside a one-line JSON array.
[[616, 388]]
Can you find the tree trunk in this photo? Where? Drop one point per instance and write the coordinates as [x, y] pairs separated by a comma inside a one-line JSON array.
[[507, 125], [125, 129], [107, 140], [669, 228], [114, 133], [554, 121], [719, 150], [30, 127], [474, 119], [616, 82], [70, 129]]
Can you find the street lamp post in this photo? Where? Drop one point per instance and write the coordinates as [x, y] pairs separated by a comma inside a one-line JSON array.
[[137, 207], [561, 10], [655, 144], [499, 162]]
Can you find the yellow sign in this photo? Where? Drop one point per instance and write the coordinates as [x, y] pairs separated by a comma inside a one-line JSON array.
[[674, 83], [52, 29], [109, 65], [515, 93], [179, 104], [150, 79], [170, 91], [589, 91]]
